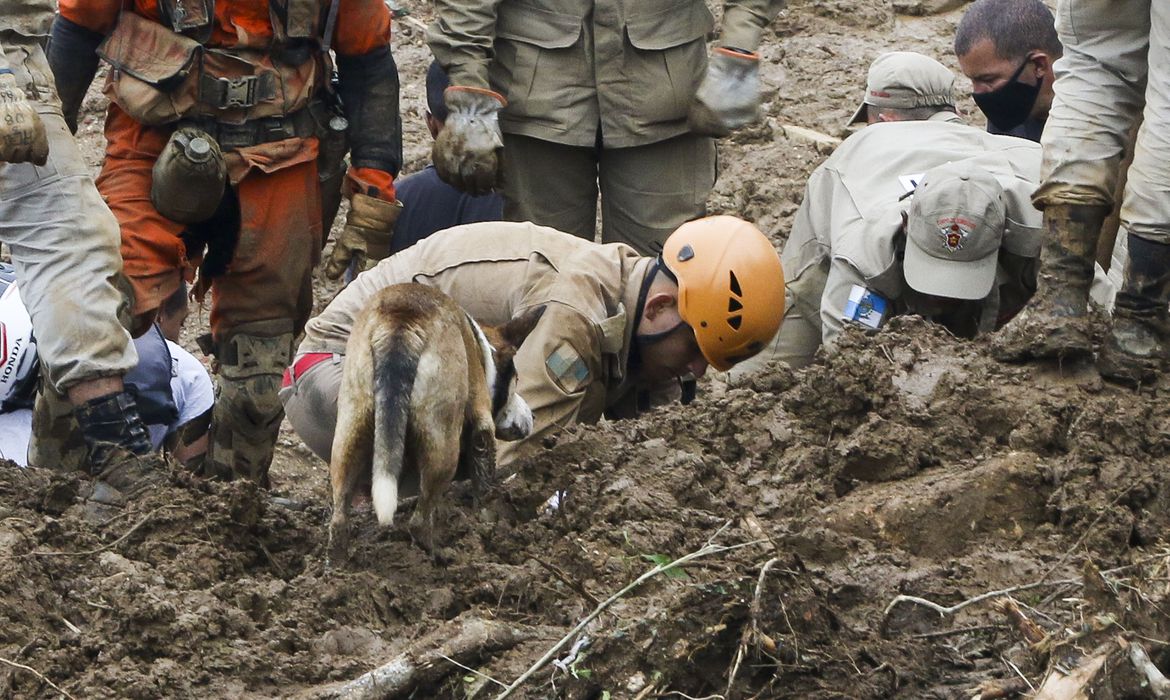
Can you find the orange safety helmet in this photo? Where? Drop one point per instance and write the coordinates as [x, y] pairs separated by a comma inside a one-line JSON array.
[[730, 286]]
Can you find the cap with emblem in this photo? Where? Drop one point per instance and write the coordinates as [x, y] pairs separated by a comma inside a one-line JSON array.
[[904, 80], [954, 232]]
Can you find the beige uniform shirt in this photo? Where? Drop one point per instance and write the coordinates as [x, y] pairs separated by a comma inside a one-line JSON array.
[[848, 229], [570, 67], [574, 366]]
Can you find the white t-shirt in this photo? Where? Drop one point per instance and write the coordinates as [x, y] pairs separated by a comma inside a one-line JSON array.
[[190, 385]]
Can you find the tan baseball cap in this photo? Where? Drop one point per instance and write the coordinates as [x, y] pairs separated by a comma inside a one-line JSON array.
[[905, 79], [954, 231]]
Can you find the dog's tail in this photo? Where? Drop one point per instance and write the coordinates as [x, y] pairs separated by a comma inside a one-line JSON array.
[[395, 368]]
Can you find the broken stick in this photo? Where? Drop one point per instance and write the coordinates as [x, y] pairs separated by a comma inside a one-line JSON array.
[[466, 639]]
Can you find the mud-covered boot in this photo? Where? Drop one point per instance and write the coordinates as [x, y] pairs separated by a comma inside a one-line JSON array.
[[1135, 349], [247, 414], [1055, 324], [121, 456]]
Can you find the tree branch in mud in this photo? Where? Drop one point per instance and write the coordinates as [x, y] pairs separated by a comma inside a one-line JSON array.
[[751, 632], [707, 550], [38, 674], [944, 611], [425, 662]]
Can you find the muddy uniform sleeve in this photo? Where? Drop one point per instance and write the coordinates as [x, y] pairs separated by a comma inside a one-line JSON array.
[[744, 22], [559, 372], [461, 39]]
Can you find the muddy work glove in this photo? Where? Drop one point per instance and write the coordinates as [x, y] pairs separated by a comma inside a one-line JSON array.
[[22, 134], [729, 96], [369, 229], [469, 151]]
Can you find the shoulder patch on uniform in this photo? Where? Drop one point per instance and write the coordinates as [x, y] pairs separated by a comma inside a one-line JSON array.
[[567, 368]]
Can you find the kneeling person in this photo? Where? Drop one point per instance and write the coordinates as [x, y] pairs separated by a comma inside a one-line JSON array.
[[171, 388]]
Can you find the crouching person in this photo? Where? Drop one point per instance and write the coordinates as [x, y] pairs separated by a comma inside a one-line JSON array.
[[916, 213], [171, 389], [615, 322]]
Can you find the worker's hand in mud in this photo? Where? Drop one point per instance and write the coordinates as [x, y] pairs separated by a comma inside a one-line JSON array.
[[469, 151], [366, 238], [729, 96], [22, 134]]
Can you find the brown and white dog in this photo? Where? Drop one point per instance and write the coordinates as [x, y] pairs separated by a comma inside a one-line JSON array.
[[424, 387]]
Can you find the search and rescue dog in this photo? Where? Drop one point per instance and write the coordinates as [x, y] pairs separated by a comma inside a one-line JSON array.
[[424, 387]]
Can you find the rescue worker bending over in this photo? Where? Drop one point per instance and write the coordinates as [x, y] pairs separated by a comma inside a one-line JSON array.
[[64, 243], [916, 213], [220, 132], [616, 324]]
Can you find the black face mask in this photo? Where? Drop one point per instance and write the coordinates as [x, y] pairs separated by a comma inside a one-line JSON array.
[[1010, 105]]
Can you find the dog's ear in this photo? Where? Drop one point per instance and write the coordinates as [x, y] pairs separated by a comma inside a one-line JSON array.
[[516, 330]]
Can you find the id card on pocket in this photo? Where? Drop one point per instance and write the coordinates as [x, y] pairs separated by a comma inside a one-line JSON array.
[[866, 307]]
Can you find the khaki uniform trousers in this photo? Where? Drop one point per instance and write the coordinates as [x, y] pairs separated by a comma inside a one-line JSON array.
[[646, 191], [64, 242], [1117, 54]]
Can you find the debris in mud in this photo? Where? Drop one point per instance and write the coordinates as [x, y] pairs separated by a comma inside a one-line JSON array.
[[216, 590], [905, 464]]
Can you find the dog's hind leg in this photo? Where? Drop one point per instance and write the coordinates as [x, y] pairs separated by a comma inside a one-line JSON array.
[[437, 457], [351, 453]]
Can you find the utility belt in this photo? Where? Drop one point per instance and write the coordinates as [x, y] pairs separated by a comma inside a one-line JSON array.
[[190, 176], [312, 120]]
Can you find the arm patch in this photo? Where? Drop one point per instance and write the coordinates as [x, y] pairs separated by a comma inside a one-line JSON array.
[[567, 368]]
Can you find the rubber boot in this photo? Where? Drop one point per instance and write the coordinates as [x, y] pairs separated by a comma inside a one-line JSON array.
[[1055, 324], [247, 414], [1134, 350]]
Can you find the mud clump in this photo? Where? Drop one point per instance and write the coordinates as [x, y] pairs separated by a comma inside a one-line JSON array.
[[890, 485], [903, 464]]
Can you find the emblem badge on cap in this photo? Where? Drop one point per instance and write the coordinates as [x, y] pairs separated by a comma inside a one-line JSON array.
[[953, 232]]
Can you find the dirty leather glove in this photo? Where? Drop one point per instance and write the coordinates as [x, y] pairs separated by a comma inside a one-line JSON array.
[[22, 134], [729, 96], [469, 151], [369, 228]]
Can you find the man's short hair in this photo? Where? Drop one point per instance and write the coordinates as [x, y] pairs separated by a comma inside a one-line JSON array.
[[1015, 28], [437, 84]]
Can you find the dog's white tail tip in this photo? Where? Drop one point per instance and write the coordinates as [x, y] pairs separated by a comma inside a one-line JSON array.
[[385, 496]]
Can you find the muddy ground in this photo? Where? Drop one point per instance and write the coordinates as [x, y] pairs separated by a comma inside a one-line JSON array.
[[908, 464]]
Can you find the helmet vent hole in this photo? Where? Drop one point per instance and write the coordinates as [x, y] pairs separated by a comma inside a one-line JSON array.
[[735, 285], [733, 305], [735, 322]]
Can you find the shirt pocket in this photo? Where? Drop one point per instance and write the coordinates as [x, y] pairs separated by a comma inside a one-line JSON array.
[[540, 66], [666, 58]]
